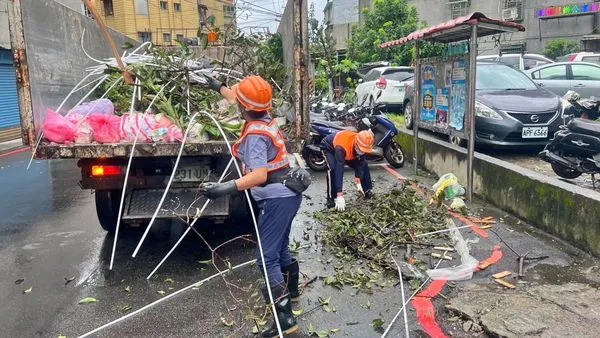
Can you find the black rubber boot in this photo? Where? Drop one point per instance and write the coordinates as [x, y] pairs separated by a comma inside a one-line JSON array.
[[291, 276], [368, 194], [330, 203], [283, 307]]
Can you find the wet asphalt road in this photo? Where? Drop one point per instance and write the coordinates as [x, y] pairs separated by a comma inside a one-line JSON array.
[[49, 234]]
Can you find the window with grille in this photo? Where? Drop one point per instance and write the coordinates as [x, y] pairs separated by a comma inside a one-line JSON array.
[[141, 7], [458, 8], [144, 37], [167, 37], [512, 10], [177, 7], [164, 6], [228, 11], [180, 37], [108, 7]]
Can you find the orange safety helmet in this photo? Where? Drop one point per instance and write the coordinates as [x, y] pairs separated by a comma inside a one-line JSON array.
[[254, 93], [365, 140]]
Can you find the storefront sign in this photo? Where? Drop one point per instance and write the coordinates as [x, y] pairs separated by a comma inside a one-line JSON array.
[[574, 9]]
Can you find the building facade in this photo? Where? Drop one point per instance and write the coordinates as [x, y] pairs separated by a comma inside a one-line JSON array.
[[544, 20], [162, 22], [340, 16]]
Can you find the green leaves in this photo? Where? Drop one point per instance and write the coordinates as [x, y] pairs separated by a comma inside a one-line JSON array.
[[377, 323], [88, 300]]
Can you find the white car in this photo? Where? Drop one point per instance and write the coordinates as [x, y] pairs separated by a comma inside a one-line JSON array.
[[384, 86], [581, 57], [518, 61]]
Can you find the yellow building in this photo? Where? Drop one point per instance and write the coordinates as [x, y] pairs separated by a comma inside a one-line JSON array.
[[163, 21]]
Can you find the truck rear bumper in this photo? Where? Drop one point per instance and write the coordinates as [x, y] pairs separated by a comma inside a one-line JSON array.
[[182, 203]]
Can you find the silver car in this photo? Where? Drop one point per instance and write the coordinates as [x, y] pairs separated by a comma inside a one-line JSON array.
[[582, 77]]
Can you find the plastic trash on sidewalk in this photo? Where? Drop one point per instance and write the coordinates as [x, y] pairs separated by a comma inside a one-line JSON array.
[[458, 204], [58, 128], [448, 187], [465, 270]]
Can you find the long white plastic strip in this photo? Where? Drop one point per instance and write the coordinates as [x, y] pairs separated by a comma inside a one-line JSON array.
[[165, 298], [407, 335]]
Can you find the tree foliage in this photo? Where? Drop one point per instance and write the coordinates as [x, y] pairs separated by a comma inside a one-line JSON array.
[[389, 20], [559, 47]]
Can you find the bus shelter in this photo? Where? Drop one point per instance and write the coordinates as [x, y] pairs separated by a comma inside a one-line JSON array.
[[445, 86]]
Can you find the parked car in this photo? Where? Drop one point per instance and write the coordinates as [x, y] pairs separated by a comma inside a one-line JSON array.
[[580, 57], [518, 61], [511, 110], [384, 86], [561, 77]]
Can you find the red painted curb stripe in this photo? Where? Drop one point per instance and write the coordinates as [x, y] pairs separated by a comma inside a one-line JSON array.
[[493, 259], [481, 233], [14, 152], [426, 311]]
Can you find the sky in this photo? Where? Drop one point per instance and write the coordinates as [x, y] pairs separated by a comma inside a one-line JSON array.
[[261, 15]]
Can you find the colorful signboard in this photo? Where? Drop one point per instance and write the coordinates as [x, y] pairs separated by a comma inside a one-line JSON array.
[[565, 10]]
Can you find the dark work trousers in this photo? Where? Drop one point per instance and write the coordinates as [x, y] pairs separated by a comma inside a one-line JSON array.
[[274, 224], [334, 168]]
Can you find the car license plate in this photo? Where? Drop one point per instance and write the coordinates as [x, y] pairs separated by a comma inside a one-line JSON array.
[[191, 174], [535, 132]]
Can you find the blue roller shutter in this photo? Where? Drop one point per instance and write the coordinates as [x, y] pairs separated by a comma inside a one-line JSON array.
[[9, 102]]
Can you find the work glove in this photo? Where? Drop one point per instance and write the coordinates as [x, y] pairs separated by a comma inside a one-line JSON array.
[[213, 83], [359, 187], [214, 190], [340, 203]]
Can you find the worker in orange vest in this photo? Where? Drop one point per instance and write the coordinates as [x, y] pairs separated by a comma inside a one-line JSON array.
[[275, 187], [347, 147]]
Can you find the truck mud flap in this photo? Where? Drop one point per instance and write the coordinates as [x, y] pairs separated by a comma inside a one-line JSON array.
[[179, 203]]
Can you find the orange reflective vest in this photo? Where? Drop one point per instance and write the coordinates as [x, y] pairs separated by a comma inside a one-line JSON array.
[[272, 131], [346, 139]]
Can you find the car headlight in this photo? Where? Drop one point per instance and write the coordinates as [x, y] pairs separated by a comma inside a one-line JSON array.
[[482, 110]]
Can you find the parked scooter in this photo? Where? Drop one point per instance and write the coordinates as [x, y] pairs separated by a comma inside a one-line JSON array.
[[575, 148], [383, 129]]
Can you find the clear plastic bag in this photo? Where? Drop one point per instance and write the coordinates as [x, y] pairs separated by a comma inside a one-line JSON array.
[[465, 270]]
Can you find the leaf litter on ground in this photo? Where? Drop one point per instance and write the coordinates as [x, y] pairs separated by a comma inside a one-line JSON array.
[[361, 236]]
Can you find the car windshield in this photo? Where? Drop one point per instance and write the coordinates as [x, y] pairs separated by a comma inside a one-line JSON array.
[[500, 77], [398, 75]]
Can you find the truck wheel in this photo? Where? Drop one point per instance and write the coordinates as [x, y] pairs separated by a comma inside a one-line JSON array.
[[565, 172], [107, 208], [394, 155], [314, 160]]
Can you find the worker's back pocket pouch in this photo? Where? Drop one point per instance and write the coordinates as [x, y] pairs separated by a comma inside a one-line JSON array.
[[297, 180]]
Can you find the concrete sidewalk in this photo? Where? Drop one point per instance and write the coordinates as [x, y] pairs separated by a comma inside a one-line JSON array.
[[8, 146]]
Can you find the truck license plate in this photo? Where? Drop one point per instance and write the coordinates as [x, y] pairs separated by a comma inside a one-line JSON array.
[[535, 132], [191, 174]]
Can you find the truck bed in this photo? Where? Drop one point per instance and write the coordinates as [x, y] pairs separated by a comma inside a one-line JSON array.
[[83, 151], [61, 151]]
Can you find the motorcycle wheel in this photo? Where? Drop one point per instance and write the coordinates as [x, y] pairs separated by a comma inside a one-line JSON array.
[[565, 172], [394, 155], [314, 160]]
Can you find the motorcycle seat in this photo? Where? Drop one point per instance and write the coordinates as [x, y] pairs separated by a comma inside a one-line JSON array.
[[333, 125], [585, 127]]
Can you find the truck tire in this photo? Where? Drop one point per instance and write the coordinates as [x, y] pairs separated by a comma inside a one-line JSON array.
[[107, 208]]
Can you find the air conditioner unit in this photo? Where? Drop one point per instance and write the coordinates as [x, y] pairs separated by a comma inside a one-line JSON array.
[[510, 14]]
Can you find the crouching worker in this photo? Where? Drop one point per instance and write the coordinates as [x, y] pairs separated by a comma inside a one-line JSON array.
[[275, 187], [347, 147]]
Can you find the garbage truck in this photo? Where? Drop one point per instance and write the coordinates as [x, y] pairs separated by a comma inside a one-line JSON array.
[[53, 47]]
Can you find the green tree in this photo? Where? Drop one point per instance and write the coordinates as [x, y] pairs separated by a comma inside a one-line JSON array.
[[389, 20], [559, 47]]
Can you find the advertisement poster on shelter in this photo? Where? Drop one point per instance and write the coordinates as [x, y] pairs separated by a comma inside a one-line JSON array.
[[441, 111], [429, 91], [458, 96]]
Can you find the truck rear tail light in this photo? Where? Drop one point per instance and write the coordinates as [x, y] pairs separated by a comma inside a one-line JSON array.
[[382, 83], [106, 170]]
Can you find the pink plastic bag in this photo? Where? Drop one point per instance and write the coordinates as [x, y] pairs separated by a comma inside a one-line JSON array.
[[58, 129], [105, 128], [130, 123], [83, 134]]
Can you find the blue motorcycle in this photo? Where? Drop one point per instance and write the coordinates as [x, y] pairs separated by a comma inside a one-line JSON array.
[[382, 127]]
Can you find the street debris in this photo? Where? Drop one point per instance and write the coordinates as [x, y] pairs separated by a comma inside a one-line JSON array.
[[361, 236], [502, 274], [88, 300], [27, 291], [69, 280], [127, 289], [19, 281], [437, 255], [504, 283], [447, 188]]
